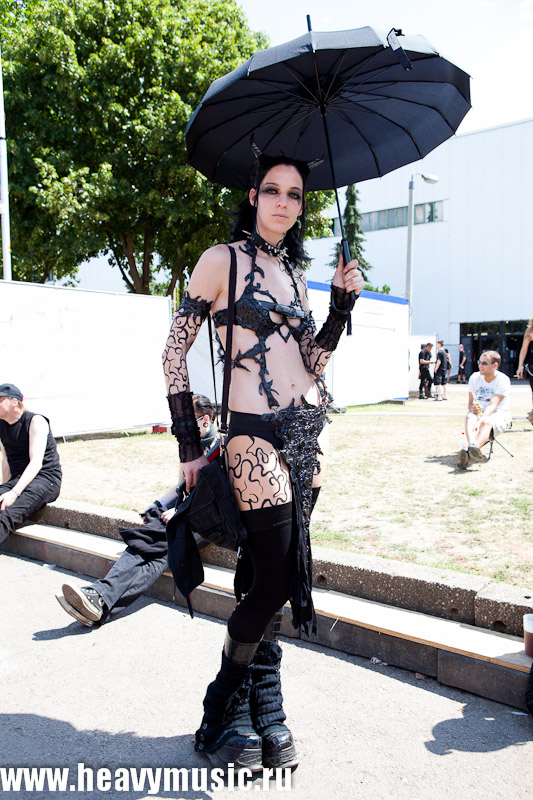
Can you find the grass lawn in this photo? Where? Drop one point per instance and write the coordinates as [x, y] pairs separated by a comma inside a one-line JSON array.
[[391, 487]]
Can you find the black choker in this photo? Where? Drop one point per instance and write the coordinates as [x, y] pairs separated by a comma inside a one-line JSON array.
[[276, 250]]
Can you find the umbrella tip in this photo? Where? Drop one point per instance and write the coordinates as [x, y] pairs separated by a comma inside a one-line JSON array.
[[309, 28]]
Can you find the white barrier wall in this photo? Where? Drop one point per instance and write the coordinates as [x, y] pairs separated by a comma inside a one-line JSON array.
[[368, 367], [371, 365], [89, 361]]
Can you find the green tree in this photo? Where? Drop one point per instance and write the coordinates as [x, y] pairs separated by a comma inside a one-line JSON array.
[[97, 98], [353, 232]]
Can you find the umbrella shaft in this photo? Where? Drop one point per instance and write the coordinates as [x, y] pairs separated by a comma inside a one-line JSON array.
[[345, 248]]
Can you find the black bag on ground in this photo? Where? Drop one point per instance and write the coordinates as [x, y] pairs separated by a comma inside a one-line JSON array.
[[213, 512]]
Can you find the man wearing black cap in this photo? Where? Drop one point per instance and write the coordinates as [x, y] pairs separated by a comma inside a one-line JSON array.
[[424, 360], [30, 469]]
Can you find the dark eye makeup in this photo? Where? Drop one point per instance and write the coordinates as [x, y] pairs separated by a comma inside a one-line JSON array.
[[270, 189]]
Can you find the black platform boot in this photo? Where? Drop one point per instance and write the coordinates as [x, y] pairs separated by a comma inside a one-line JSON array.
[[266, 700], [226, 735]]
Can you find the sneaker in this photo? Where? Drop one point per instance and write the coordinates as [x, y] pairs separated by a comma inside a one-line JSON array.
[[72, 611], [464, 459], [86, 601], [475, 454]]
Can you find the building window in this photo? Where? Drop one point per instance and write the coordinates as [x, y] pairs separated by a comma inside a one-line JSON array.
[[335, 227], [397, 217]]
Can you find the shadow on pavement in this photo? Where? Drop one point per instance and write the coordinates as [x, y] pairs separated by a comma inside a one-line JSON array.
[[34, 741]]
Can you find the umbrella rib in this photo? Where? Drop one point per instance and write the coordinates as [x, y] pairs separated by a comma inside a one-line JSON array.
[[406, 100], [339, 63], [304, 122], [356, 71], [275, 87], [370, 147], [335, 111], [298, 80], [251, 130]]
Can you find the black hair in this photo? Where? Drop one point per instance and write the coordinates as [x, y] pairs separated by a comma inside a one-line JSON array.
[[245, 216], [203, 405]]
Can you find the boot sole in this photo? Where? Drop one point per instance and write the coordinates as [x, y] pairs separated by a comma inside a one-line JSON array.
[[289, 764], [283, 755], [241, 757]]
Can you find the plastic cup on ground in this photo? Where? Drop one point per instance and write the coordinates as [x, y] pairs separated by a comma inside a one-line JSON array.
[[528, 634]]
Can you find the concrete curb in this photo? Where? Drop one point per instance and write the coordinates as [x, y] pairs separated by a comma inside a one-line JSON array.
[[447, 594], [496, 682]]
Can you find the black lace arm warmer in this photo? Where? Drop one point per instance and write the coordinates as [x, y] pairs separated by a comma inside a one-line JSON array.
[[340, 306], [184, 425]]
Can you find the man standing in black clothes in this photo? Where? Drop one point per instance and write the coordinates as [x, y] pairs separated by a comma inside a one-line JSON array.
[[462, 365], [439, 376], [424, 361], [30, 469]]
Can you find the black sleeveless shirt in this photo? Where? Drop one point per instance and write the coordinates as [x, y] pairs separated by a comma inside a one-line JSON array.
[[16, 441]]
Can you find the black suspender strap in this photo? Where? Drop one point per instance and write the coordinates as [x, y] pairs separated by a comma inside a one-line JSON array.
[[229, 342], [210, 328]]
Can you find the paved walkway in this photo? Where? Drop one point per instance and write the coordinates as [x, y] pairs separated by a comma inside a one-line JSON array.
[[129, 695]]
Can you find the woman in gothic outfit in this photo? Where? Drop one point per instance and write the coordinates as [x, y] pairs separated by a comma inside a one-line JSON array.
[[274, 446]]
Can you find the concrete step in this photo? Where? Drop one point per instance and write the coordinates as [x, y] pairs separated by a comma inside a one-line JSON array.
[[444, 593], [484, 662]]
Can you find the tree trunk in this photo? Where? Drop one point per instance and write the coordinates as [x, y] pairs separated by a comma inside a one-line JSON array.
[[147, 252], [127, 244]]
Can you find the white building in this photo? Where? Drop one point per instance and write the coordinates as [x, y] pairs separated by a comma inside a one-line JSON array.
[[472, 255]]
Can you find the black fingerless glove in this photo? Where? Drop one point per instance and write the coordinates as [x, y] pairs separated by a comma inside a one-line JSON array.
[[184, 425], [341, 304]]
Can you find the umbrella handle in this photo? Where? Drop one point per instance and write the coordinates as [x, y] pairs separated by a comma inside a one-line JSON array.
[[347, 258]]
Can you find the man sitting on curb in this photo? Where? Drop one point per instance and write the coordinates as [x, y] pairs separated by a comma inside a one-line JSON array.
[[145, 558], [488, 407], [30, 472]]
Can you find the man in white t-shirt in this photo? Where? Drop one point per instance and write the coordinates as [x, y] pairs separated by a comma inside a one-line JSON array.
[[488, 407]]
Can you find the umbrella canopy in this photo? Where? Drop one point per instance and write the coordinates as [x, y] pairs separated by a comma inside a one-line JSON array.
[[348, 86]]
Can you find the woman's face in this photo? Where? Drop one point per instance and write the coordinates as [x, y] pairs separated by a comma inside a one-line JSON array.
[[280, 201]]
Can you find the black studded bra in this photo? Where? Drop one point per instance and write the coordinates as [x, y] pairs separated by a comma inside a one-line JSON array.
[[254, 314]]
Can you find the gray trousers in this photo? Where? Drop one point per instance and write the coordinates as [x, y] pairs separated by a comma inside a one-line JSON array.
[[127, 579]]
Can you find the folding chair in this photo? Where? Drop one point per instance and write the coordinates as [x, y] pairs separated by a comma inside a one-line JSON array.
[[493, 439]]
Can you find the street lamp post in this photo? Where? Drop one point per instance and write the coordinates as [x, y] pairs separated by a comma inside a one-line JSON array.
[[4, 191], [410, 223]]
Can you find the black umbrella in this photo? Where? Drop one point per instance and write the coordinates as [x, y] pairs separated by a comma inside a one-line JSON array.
[[367, 102]]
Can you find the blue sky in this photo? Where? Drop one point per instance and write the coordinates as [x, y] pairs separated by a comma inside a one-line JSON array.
[[492, 40]]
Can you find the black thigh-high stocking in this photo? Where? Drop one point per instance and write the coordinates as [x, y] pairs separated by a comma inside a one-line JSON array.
[[269, 545]]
